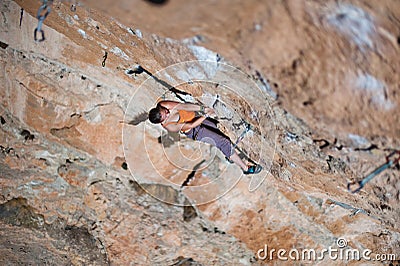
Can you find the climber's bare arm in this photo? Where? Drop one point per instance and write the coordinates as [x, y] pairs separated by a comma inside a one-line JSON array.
[[170, 105], [186, 126], [180, 106]]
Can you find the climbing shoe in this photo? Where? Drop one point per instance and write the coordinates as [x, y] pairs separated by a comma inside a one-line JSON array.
[[253, 169]]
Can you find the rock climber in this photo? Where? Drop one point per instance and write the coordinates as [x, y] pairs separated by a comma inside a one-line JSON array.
[[188, 119]]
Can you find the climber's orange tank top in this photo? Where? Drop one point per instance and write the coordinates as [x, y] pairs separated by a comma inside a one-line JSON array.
[[184, 117]]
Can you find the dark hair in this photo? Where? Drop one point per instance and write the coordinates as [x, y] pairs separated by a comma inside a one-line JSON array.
[[155, 115]]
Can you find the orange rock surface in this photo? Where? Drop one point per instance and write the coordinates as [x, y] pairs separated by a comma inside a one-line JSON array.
[[316, 80]]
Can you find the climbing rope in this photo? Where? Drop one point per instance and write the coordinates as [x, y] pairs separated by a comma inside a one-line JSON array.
[[391, 160]]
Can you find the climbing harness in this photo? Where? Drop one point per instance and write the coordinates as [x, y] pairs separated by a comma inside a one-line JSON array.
[[241, 136], [389, 163], [44, 8]]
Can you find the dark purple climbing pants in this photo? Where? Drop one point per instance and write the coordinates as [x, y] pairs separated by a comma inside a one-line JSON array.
[[208, 132]]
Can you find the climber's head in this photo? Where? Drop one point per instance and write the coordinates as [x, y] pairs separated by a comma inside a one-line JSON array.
[[158, 114]]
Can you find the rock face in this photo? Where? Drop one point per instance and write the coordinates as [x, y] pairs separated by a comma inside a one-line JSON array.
[[86, 179]]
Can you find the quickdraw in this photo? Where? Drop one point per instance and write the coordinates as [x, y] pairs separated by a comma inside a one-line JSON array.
[[103, 64], [241, 136], [20, 18], [44, 8], [391, 160]]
